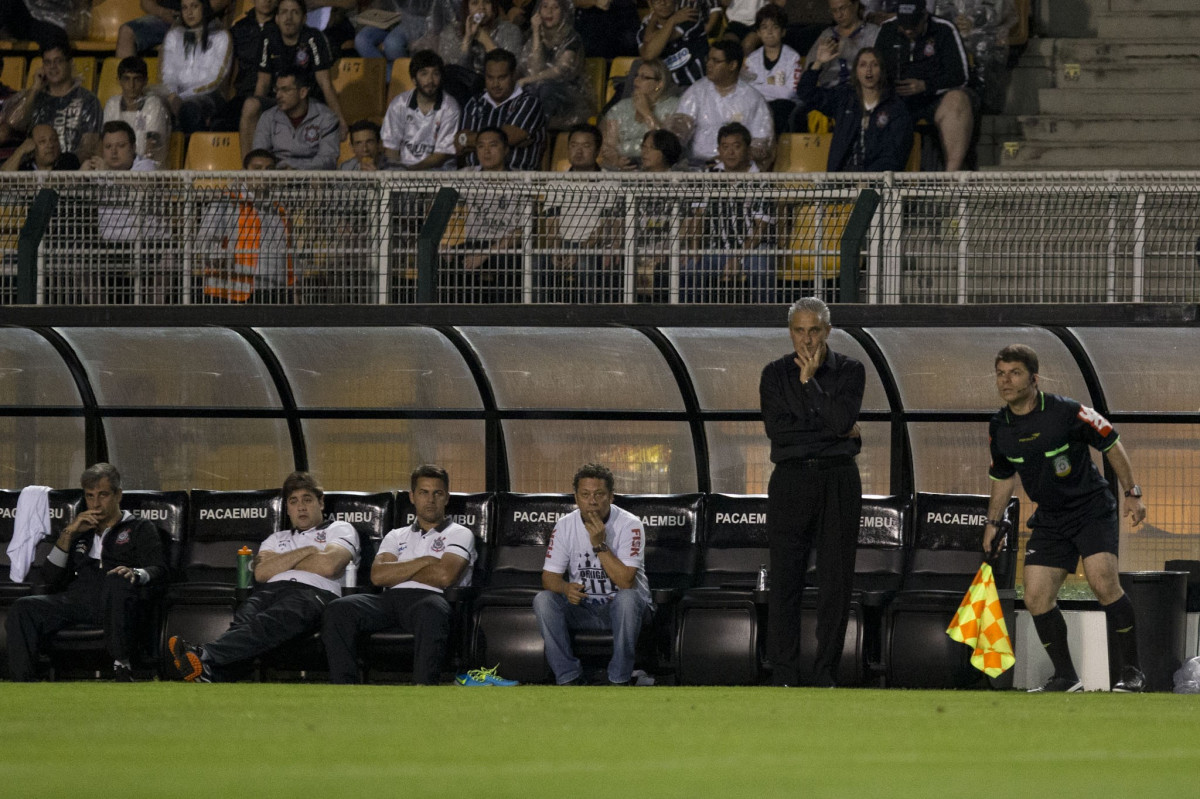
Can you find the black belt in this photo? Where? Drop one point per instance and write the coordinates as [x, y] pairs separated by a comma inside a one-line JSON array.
[[818, 464]]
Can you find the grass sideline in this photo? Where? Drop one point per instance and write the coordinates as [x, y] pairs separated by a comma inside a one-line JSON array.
[[320, 741]]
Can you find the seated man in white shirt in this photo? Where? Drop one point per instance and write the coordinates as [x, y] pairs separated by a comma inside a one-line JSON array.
[[299, 571], [419, 127], [594, 579], [415, 565], [718, 99]]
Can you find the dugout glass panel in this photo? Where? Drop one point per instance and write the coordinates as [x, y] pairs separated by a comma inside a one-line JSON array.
[[373, 367], [740, 457], [953, 368], [582, 368], [725, 364], [379, 454], [32, 373], [170, 454], [1145, 369], [645, 457], [207, 367], [41, 450], [1166, 463]]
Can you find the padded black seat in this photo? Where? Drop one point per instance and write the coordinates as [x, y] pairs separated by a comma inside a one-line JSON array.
[[884, 538], [81, 647], [671, 527], [392, 650], [200, 607], [65, 505], [948, 552], [371, 515], [504, 630], [718, 640]]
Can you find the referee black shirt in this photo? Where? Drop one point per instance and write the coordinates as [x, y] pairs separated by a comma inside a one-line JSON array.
[[1048, 447], [812, 420]]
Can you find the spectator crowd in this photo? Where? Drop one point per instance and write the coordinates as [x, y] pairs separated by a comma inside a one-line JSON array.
[[869, 71]]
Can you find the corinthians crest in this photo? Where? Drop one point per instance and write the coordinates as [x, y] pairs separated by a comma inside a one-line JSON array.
[[1062, 465]]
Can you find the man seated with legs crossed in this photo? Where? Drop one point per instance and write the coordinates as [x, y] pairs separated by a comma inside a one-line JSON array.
[[414, 565], [594, 579], [299, 571]]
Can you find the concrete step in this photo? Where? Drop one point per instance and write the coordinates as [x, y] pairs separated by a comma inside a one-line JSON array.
[[1068, 102], [1100, 155], [1166, 25], [1153, 75], [1096, 128], [1123, 51]]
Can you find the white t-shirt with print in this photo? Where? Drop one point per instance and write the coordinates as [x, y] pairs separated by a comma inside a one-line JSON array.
[[410, 543], [570, 552]]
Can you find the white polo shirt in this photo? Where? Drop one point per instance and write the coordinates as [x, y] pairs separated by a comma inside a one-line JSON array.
[[570, 551], [328, 533], [410, 543]]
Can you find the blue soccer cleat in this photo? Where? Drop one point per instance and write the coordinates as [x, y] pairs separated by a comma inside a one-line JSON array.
[[484, 677]]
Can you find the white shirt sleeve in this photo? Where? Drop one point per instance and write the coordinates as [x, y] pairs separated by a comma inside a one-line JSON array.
[[557, 558]]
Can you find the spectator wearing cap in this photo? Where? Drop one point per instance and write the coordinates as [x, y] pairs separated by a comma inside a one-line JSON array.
[[926, 59]]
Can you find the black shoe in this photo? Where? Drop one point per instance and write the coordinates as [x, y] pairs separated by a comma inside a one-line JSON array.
[[122, 674], [1132, 681], [1059, 685], [577, 681], [187, 660]]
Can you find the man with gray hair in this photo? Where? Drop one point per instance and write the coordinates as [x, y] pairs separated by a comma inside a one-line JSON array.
[[810, 403], [92, 577]]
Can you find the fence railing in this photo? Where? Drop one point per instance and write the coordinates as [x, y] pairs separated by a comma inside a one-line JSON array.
[[191, 238]]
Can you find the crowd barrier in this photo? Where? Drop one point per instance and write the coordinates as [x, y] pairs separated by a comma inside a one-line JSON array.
[[321, 237], [916, 558]]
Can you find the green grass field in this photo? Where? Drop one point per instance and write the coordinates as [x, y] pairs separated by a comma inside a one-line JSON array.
[[267, 740]]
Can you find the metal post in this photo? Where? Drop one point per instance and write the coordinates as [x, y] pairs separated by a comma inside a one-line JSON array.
[[428, 240], [852, 242], [37, 220]]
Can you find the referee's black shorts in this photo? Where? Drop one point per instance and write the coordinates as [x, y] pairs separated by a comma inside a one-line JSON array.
[[1060, 541]]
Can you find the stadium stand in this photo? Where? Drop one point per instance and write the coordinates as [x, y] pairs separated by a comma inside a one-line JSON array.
[[84, 67], [360, 84], [595, 78], [207, 152], [617, 71], [107, 17], [401, 81], [13, 75]]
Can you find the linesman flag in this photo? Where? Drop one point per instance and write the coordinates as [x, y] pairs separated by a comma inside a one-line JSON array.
[[979, 623]]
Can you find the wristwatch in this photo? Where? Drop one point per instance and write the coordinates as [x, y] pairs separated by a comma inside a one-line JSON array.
[[599, 549], [1135, 490]]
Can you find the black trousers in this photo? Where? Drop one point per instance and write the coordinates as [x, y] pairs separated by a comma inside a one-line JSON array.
[[92, 598], [274, 614], [811, 507], [423, 614]]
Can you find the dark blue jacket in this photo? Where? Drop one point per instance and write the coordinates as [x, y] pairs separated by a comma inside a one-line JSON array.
[[889, 135]]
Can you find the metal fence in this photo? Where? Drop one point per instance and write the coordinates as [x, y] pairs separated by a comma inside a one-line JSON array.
[[185, 237]]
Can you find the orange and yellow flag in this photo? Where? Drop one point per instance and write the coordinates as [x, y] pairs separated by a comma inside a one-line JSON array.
[[979, 623]]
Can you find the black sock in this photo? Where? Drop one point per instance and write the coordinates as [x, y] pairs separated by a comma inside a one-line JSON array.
[[1052, 630], [1121, 630]]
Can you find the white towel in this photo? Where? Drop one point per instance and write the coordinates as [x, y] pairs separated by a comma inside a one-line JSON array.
[[30, 525]]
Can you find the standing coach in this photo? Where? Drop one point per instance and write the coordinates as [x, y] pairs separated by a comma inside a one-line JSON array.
[[810, 403]]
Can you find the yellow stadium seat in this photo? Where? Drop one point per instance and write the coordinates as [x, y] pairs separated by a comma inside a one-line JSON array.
[[85, 70], [595, 71], [1018, 34], [209, 152], [914, 155], [816, 241], [359, 83], [559, 162], [345, 151], [13, 75], [400, 81], [107, 18], [175, 148], [618, 69], [109, 82], [802, 152]]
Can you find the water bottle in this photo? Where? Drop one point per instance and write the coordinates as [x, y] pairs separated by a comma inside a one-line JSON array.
[[763, 578], [351, 579], [245, 574]]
